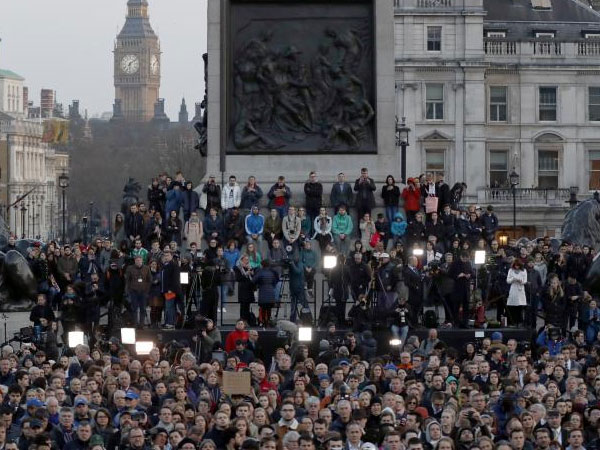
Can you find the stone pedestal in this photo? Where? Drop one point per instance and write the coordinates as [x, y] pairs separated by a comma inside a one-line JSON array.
[[295, 167]]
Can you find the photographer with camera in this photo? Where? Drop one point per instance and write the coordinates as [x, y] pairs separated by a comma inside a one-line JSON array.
[[385, 279], [297, 295], [361, 315], [360, 276]]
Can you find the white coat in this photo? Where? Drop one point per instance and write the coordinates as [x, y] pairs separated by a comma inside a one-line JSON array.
[[517, 280]]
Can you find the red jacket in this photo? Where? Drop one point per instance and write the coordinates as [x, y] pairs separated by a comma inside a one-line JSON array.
[[412, 199], [234, 336]]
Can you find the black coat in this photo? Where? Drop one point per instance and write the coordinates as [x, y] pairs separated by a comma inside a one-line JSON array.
[[341, 195], [314, 195], [250, 198], [364, 193], [134, 225], [213, 195], [555, 309], [156, 198], [245, 286], [413, 281], [391, 197], [443, 192], [170, 278]]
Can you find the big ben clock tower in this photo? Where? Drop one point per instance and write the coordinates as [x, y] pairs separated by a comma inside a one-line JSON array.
[[137, 64]]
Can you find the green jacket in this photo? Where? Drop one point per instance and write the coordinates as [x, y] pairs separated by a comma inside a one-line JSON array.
[[341, 224]]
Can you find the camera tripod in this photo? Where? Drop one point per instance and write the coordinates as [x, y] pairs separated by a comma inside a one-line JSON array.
[[374, 289], [192, 297], [284, 296]]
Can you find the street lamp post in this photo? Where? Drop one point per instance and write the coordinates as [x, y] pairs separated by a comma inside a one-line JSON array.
[[33, 219], [402, 140], [63, 182], [514, 182], [23, 211]]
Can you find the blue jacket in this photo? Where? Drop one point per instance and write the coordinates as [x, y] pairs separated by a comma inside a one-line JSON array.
[[554, 347], [255, 224], [174, 201], [398, 228], [231, 256]]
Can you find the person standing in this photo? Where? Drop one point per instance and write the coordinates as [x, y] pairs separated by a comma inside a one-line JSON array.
[[412, 200], [213, 193], [390, 193], [443, 191], [138, 280], [231, 196], [517, 299], [251, 195], [279, 196], [134, 224], [461, 272], [341, 193], [243, 275], [156, 196], [291, 226], [171, 289], [265, 280], [313, 191], [364, 188], [297, 296], [190, 200], [341, 229], [414, 282], [254, 225]]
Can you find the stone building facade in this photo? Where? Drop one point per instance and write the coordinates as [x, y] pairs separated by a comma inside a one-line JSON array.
[[488, 86]]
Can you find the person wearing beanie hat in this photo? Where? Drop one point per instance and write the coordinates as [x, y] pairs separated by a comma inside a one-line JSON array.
[[207, 442], [186, 444]]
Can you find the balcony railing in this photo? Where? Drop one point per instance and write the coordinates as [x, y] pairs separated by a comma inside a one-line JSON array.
[[438, 4], [533, 196], [540, 48]]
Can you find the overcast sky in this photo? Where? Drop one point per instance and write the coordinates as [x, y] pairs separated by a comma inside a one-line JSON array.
[[67, 45]]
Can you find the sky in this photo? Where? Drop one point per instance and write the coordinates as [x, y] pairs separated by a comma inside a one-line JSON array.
[[67, 45]]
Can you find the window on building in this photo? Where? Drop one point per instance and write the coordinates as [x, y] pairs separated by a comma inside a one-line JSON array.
[[434, 39], [547, 104], [592, 35], [495, 34], [498, 168], [548, 169], [435, 162], [594, 170], [435, 102], [594, 103], [498, 103], [544, 34]]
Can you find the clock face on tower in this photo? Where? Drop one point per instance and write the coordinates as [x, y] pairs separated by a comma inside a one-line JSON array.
[[130, 64], [154, 65]]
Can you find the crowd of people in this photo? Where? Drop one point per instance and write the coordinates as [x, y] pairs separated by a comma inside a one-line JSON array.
[[418, 252], [344, 394]]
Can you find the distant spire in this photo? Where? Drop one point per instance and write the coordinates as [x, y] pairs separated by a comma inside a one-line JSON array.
[[183, 113]]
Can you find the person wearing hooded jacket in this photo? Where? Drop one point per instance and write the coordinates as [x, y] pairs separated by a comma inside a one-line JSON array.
[[398, 228]]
